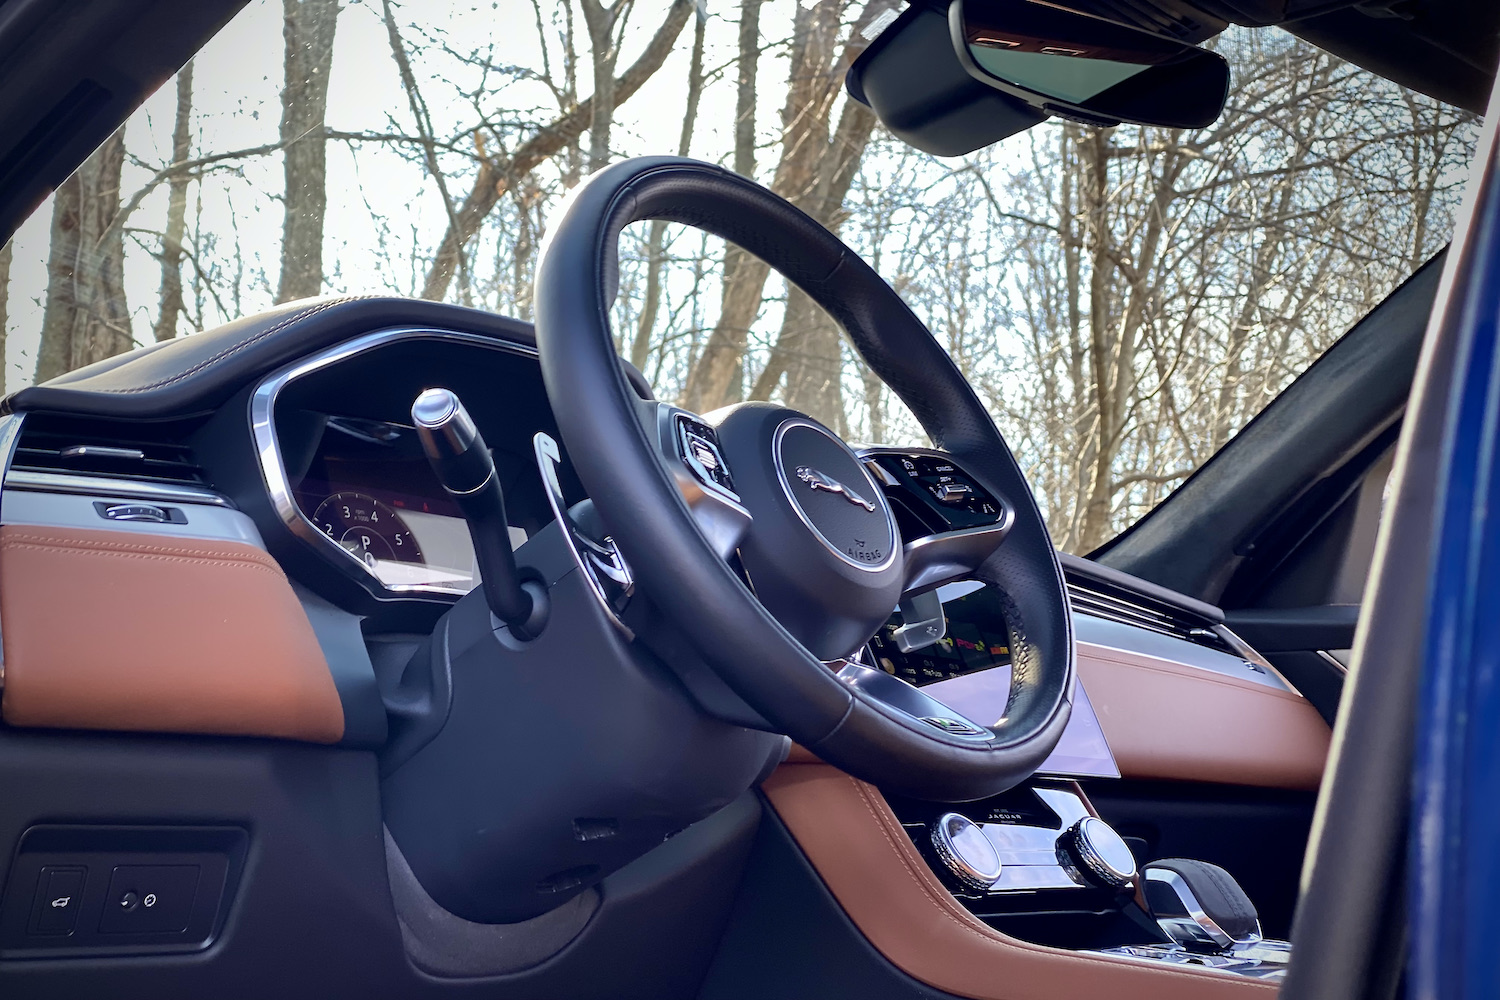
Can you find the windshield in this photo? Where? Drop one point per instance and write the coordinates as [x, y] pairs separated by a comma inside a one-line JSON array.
[[1123, 300]]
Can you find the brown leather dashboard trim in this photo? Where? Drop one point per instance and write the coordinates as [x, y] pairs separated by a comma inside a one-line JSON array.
[[146, 633], [1167, 720], [866, 859]]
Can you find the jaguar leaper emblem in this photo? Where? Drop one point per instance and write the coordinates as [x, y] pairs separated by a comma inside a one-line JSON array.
[[820, 481]]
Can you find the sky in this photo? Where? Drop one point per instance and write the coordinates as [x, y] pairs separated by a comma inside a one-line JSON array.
[[380, 207]]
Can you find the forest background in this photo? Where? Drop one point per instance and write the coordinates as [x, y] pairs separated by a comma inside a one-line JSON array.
[[1124, 300]]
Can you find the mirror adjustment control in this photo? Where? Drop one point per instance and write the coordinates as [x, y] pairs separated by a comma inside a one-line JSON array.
[[149, 899]]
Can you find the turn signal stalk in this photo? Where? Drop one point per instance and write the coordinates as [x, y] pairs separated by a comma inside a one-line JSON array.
[[462, 463]]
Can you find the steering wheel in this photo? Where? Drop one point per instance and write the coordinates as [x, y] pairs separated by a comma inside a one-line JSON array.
[[810, 526]]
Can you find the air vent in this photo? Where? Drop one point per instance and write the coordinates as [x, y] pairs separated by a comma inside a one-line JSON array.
[[134, 451], [1093, 598]]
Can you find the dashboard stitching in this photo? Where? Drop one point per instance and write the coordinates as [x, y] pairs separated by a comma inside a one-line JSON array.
[[1172, 668], [159, 553], [296, 317], [926, 889], [158, 558], [944, 906]]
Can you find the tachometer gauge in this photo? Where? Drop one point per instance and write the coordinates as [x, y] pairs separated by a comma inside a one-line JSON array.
[[367, 529]]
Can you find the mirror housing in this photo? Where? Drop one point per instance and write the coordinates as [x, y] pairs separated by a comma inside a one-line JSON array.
[[1086, 68], [911, 79]]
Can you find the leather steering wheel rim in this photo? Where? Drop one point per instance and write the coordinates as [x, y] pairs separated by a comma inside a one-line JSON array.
[[677, 568]]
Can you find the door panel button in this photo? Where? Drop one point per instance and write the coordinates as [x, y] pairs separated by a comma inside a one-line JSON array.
[[149, 899], [59, 893]]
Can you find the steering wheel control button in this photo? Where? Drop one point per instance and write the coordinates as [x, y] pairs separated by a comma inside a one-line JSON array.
[[698, 445], [149, 899], [965, 851], [59, 894], [1099, 853], [937, 483]]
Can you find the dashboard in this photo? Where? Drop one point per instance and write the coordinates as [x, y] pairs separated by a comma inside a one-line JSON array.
[[343, 498], [347, 477]]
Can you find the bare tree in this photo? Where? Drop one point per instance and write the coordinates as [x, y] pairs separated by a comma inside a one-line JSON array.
[[170, 299], [606, 27], [815, 169], [640, 346], [498, 173], [308, 29], [85, 318]]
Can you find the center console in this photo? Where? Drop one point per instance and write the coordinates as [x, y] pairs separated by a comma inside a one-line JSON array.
[[1038, 864]]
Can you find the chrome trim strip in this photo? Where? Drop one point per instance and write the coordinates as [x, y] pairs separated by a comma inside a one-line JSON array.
[[10, 433], [893, 539], [1337, 658], [268, 449], [130, 489], [73, 510], [1106, 633]]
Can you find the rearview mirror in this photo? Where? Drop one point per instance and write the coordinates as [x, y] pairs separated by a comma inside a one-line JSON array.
[[1086, 68]]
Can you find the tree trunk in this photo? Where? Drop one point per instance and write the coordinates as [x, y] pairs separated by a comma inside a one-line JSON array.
[[640, 347], [717, 377], [809, 348], [744, 98], [495, 177], [308, 28], [1099, 476], [604, 51], [171, 245], [811, 171], [86, 318]]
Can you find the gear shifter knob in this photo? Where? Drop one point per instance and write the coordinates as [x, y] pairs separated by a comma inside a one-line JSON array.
[[462, 463], [1199, 905]]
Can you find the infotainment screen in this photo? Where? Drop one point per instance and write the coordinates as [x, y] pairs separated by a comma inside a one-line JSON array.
[[969, 670]]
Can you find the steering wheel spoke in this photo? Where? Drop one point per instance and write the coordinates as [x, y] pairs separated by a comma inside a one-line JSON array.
[[898, 696], [947, 556], [689, 449]]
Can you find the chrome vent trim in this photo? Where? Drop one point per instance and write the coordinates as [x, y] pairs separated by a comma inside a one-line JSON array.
[[1147, 614], [61, 446], [106, 486]]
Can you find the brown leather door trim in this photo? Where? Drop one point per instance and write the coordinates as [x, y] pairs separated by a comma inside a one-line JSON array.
[[866, 859], [1168, 720], [148, 633]]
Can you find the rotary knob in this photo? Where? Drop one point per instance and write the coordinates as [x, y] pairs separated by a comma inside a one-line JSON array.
[[1099, 853], [965, 851]]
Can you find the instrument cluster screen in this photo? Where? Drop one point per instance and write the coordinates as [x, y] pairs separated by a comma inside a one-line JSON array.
[[977, 639], [369, 488], [969, 670]]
